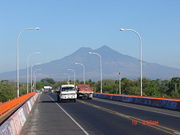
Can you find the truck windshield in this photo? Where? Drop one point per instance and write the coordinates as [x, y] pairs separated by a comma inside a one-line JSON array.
[[68, 89]]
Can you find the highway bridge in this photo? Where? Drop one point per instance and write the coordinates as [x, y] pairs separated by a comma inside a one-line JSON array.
[[98, 117]]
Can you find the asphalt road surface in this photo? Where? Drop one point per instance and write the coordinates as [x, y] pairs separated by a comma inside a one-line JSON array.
[[98, 117]]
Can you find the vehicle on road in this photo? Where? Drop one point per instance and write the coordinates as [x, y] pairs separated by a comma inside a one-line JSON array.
[[47, 89], [67, 92], [84, 91]]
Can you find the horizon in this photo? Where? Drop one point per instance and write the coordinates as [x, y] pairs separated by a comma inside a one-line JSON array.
[[128, 66]]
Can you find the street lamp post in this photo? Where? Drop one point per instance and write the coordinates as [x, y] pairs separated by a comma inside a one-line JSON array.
[[67, 75], [27, 68], [141, 50], [35, 77], [120, 92], [32, 73], [100, 63], [83, 70], [17, 55], [74, 75]]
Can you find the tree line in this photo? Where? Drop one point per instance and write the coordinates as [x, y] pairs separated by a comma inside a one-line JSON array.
[[156, 88]]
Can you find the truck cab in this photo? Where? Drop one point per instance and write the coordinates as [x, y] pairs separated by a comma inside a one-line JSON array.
[[67, 92]]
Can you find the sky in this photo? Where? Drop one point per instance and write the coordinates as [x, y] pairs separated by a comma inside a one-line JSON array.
[[67, 25]]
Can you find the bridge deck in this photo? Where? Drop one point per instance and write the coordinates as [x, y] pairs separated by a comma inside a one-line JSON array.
[[95, 117]]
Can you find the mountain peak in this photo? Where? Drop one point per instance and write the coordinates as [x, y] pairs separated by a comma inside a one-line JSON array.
[[104, 47], [107, 50], [84, 49]]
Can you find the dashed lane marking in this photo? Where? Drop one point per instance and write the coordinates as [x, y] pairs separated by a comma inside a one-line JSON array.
[[85, 132]]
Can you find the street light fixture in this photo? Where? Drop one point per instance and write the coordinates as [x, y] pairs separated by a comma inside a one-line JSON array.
[[100, 63], [83, 70], [74, 75], [27, 68], [17, 55], [141, 51]]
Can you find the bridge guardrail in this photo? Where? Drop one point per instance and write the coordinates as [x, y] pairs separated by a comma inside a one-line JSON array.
[[168, 103], [13, 125], [9, 105]]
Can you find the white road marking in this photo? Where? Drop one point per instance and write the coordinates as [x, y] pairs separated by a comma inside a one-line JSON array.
[[71, 118], [158, 127]]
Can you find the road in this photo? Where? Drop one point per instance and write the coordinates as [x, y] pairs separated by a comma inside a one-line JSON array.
[[97, 117]]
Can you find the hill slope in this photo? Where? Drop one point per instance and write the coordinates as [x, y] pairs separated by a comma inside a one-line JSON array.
[[112, 62]]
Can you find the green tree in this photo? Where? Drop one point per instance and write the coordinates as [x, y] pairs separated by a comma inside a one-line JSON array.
[[39, 85], [48, 81], [7, 91], [152, 88], [174, 87]]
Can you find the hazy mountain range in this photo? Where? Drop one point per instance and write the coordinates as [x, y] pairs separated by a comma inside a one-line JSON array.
[[112, 63]]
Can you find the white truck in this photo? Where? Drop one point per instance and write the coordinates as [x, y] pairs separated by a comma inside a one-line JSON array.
[[67, 92], [47, 89]]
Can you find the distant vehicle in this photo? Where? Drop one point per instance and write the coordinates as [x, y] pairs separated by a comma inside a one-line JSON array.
[[47, 89], [84, 91], [67, 92]]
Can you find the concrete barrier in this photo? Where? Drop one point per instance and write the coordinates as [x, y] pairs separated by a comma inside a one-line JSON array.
[[14, 124], [151, 101]]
